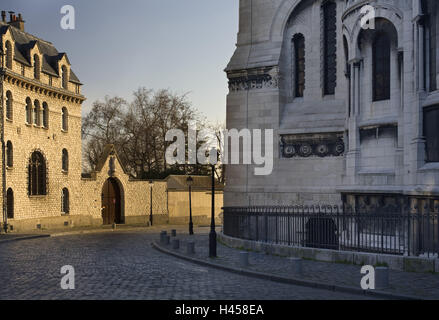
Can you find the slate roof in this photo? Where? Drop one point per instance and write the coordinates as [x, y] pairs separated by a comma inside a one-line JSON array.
[[24, 42]]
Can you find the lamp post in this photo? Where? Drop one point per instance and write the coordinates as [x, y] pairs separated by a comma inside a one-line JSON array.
[[212, 234], [151, 183], [189, 182]]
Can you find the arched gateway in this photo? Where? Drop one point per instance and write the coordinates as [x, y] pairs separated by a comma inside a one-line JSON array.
[[112, 202]]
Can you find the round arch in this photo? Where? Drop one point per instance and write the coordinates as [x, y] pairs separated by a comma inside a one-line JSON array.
[[112, 202]]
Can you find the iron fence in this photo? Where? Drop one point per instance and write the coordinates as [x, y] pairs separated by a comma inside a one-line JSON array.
[[386, 230]]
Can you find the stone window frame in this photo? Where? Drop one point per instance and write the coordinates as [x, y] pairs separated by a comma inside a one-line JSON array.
[[9, 106], [64, 119], [37, 67], [329, 61], [299, 83], [9, 155], [10, 203], [383, 54], [9, 53], [45, 122], [65, 201], [37, 174], [65, 160], [29, 111], [37, 113]]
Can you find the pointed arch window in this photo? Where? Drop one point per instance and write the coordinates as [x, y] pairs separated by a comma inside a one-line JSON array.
[[65, 160], [45, 115], [9, 107], [37, 67], [381, 67], [65, 79], [329, 47], [299, 65], [65, 119], [10, 203], [37, 175], [37, 113], [8, 46], [9, 155], [28, 111], [65, 201]]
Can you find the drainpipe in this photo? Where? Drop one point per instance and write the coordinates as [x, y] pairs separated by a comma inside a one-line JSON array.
[[2, 138]]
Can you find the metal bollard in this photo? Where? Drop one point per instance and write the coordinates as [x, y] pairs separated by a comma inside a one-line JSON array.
[[381, 277], [162, 237], [190, 247], [175, 244], [174, 233], [167, 239], [296, 265], [243, 259]]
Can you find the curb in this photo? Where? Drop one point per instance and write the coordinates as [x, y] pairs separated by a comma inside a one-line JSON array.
[[25, 238], [293, 281]]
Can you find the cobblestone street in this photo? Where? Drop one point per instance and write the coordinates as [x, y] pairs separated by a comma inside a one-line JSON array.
[[123, 265]]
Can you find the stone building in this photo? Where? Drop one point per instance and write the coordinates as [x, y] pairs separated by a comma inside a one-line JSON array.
[[355, 111], [44, 186]]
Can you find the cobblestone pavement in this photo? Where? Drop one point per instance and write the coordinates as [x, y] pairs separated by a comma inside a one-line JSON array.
[[123, 265], [422, 285]]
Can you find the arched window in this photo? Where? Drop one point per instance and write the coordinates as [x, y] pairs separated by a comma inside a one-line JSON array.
[[37, 67], [45, 115], [9, 101], [299, 65], [37, 113], [431, 8], [9, 154], [28, 111], [65, 119], [65, 78], [65, 205], [329, 47], [381, 67], [10, 203], [37, 174], [8, 55], [65, 160]]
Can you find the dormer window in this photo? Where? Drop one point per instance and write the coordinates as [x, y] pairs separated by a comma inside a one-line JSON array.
[[37, 67], [64, 77], [8, 55]]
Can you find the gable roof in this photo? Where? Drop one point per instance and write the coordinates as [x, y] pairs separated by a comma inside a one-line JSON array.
[[24, 42]]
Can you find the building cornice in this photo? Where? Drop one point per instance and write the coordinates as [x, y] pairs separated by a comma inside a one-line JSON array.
[[37, 86]]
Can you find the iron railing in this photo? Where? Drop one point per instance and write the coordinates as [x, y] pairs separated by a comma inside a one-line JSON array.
[[385, 230]]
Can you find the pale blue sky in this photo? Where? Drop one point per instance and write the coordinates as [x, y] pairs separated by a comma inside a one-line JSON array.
[[182, 45]]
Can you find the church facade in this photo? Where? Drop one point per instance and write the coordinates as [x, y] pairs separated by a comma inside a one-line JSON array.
[[355, 110]]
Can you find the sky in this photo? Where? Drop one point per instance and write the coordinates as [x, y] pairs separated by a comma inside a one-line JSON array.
[[120, 45]]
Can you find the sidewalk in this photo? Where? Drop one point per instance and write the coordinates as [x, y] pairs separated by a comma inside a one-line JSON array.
[[338, 277]]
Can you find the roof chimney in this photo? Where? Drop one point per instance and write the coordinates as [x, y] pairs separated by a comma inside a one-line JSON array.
[[16, 22], [4, 16]]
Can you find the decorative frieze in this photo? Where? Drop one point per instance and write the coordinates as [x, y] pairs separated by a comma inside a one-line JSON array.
[[253, 79], [318, 145]]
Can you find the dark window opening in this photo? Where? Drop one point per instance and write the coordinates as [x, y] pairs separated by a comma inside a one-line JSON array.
[[9, 101], [381, 67], [10, 203], [330, 47], [299, 65], [9, 155], [65, 160], [37, 174], [65, 205]]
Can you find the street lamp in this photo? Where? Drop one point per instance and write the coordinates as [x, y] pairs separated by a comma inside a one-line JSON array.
[[151, 183], [212, 234], [189, 182]]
